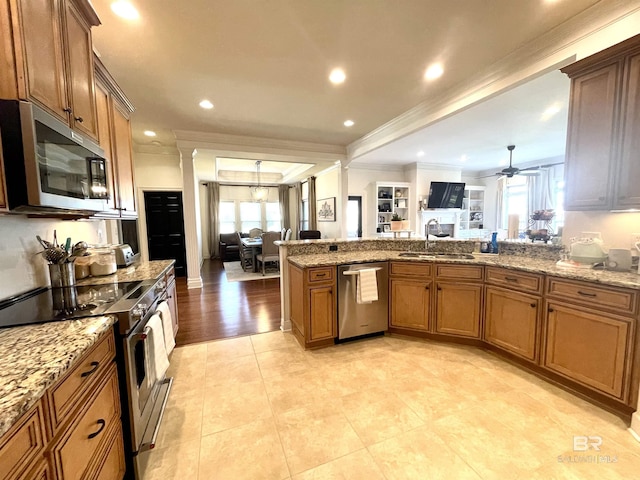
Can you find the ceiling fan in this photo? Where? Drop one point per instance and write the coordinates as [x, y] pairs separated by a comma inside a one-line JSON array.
[[510, 171]]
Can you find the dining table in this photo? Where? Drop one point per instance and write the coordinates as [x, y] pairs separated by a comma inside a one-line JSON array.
[[255, 244]]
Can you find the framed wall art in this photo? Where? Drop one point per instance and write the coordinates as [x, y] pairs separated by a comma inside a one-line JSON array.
[[326, 209]]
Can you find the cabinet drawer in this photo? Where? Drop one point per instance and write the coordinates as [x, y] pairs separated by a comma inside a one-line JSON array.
[[408, 269], [22, 445], [465, 272], [618, 300], [528, 282], [320, 274], [78, 447], [64, 396], [170, 276], [111, 465]]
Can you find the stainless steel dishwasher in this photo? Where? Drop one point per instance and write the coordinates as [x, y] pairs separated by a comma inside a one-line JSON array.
[[356, 319]]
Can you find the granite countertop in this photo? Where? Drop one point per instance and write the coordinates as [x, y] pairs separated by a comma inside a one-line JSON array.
[[33, 357], [137, 271], [516, 262]]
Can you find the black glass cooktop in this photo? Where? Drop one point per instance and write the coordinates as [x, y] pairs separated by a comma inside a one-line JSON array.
[[53, 304]]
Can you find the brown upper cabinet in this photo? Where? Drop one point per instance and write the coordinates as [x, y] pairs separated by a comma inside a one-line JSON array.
[[603, 144], [47, 58], [3, 190], [114, 136]]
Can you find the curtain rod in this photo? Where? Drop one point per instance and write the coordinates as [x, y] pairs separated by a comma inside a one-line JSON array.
[[249, 185]]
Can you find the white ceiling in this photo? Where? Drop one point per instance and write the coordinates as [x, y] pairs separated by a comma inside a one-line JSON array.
[[265, 66]]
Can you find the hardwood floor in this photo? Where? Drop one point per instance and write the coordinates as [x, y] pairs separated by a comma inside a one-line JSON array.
[[222, 309]]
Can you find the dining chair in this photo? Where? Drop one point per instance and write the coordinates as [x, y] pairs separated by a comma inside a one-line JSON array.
[[246, 256], [270, 251], [255, 232]]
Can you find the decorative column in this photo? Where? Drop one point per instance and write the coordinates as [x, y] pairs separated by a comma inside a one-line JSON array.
[[190, 212]]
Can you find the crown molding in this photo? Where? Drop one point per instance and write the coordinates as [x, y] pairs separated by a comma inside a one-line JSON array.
[[155, 149], [546, 53], [241, 143], [378, 167]]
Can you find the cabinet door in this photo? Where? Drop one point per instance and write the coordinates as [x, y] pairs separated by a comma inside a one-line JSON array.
[[511, 321], [123, 161], [410, 304], [104, 139], [458, 309], [590, 348], [321, 315], [590, 144], [628, 182], [81, 79], [44, 55]]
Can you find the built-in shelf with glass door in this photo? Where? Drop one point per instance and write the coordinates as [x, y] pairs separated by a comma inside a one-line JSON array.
[[391, 198], [472, 215]]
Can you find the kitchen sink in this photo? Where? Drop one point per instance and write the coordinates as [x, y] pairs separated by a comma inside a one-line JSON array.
[[433, 256]]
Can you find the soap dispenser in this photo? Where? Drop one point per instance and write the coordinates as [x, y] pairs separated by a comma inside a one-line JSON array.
[[494, 242]]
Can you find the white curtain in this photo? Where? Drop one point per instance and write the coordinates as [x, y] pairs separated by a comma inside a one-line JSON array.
[[500, 193], [540, 189], [213, 189]]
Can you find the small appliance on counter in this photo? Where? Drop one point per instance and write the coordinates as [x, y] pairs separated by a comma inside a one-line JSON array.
[[587, 251], [124, 255]]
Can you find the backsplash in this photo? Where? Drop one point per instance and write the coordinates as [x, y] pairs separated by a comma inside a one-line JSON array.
[[21, 266]]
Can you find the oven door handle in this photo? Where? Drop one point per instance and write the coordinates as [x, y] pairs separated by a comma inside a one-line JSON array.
[[145, 333]]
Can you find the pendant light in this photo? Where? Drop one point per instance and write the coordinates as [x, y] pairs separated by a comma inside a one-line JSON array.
[[258, 192]]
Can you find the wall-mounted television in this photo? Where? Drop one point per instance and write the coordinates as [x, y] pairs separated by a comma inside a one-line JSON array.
[[446, 195]]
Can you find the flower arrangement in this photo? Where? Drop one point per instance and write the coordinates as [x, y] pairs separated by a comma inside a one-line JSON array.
[[543, 215], [396, 218]]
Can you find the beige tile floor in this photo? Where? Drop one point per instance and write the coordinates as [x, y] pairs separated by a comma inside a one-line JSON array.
[[260, 407]]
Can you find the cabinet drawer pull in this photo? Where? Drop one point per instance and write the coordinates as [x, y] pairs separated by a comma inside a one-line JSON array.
[[511, 279], [587, 294], [102, 424], [533, 305], [95, 366], [78, 119], [550, 309], [66, 110], [321, 274], [439, 288]]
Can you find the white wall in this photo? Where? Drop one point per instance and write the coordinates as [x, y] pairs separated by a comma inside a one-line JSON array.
[[616, 228], [153, 172], [361, 182], [328, 186], [21, 266]]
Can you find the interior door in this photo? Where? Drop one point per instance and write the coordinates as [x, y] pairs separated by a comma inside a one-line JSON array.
[[165, 228], [354, 217]]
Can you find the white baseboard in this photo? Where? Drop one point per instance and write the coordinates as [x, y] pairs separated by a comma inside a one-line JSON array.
[[194, 282]]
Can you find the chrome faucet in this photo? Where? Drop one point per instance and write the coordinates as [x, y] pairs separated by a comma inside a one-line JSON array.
[[426, 231]]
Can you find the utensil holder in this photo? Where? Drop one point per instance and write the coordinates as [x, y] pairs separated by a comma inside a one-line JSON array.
[[62, 274]]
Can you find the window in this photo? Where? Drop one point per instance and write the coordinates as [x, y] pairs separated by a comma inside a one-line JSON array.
[[250, 216], [227, 217], [516, 201], [558, 193], [272, 216], [304, 215]]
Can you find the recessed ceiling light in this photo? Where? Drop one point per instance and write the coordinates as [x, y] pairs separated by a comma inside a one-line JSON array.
[[550, 112], [434, 71], [125, 9], [206, 104], [463, 158], [348, 123], [337, 76], [150, 133], [420, 153]]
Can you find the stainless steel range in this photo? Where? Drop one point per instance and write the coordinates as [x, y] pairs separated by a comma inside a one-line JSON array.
[[143, 391]]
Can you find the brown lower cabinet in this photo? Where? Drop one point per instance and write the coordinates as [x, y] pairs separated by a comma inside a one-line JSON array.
[[588, 347], [512, 321], [313, 306], [73, 432], [458, 300], [411, 303]]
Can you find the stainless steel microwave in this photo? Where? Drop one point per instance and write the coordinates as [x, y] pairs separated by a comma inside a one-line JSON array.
[[48, 166]]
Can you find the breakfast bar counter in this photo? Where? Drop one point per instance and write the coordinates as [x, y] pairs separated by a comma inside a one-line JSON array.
[[152, 269]]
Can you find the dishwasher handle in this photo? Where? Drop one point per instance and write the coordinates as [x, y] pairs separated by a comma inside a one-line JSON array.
[[356, 272]]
